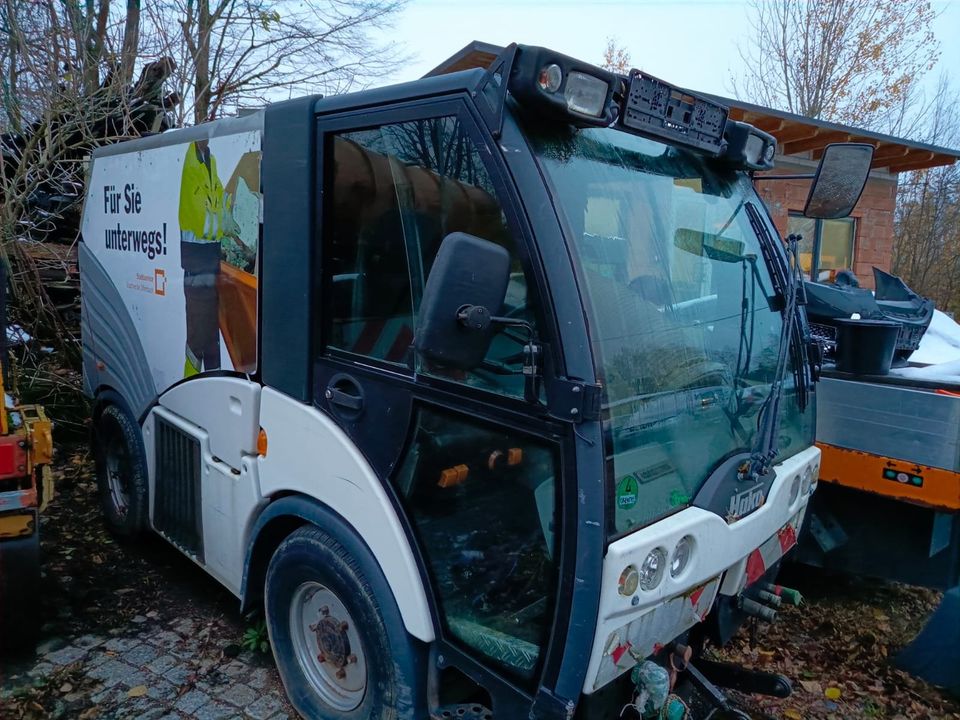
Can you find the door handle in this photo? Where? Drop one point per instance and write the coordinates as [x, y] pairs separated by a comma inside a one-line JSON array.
[[344, 392]]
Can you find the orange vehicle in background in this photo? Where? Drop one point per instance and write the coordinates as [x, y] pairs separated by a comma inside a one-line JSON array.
[[26, 487]]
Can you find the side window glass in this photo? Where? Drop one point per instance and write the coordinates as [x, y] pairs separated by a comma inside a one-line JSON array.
[[398, 190], [368, 298], [482, 502]]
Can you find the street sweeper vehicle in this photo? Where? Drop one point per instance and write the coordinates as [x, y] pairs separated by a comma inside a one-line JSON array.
[[491, 388]]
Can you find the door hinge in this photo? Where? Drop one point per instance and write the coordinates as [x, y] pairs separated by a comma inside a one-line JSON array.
[[547, 706], [573, 400]]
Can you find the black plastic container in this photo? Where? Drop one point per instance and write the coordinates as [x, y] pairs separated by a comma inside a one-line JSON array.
[[866, 347]]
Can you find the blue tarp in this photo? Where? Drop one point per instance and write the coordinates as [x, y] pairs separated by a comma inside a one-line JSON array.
[[934, 655]]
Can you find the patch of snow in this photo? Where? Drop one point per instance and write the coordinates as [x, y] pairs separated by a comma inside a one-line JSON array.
[[948, 372], [940, 344], [16, 335]]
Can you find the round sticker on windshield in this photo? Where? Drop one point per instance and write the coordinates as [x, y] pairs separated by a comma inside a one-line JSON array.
[[627, 492]]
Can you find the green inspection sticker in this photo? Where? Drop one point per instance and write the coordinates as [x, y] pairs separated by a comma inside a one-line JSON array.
[[627, 492]]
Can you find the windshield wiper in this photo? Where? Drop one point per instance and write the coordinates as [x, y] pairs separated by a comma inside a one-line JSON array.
[[787, 283]]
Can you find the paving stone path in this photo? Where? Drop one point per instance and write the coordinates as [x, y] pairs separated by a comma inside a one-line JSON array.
[[152, 671]]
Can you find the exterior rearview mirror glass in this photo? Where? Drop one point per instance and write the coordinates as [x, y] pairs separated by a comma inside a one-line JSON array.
[[465, 289], [840, 179]]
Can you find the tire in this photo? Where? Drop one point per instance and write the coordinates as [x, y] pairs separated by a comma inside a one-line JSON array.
[[337, 581], [121, 467], [19, 595]]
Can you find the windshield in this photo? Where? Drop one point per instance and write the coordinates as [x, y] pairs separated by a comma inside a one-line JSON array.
[[679, 303]]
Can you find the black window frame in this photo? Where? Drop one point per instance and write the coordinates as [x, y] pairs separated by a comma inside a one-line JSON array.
[[548, 332]]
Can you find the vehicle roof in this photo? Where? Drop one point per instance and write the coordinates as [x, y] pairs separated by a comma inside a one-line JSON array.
[[207, 130], [463, 81]]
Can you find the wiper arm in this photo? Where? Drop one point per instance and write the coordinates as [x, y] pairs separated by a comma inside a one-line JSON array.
[[787, 281]]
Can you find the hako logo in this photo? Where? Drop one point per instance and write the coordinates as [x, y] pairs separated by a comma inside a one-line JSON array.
[[744, 503], [159, 281]]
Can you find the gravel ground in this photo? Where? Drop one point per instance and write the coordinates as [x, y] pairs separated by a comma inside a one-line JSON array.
[[132, 630], [147, 670]]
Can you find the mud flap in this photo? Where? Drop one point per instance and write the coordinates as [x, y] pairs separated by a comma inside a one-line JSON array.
[[934, 655]]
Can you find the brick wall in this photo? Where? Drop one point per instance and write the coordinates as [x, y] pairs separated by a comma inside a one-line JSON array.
[[873, 242]]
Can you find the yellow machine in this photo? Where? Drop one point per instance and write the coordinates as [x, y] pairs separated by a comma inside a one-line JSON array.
[[26, 487]]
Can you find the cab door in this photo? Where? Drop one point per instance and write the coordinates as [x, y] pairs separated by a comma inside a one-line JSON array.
[[472, 460]]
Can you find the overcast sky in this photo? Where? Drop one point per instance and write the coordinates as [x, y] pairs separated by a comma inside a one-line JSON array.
[[692, 43]]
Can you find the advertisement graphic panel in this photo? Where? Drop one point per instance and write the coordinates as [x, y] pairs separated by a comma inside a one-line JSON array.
[[177, 230]]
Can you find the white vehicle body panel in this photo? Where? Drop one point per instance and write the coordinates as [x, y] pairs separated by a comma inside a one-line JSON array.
[[131, 231], [308, 454], [231, 498], [228, 408], [718, 547]]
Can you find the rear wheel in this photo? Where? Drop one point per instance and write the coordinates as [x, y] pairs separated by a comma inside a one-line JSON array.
[[337, 635], [121, 473]]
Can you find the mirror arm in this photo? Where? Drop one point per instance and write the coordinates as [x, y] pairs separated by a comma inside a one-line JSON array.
[[531, 355], [478, 317]]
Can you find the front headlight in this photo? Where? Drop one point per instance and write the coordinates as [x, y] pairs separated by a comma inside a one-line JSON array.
[[794, 489], [651, 569], [807, 480], [681, 556], [629, 579]]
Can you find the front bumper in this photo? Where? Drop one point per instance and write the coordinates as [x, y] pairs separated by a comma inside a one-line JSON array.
[[724, 559]]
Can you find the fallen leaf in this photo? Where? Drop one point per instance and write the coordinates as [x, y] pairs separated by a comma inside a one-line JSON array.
[[811, 686], [832, 693], [137, 691]]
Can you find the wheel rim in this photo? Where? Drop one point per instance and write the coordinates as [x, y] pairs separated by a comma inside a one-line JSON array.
[[328, 647], [118, 476]]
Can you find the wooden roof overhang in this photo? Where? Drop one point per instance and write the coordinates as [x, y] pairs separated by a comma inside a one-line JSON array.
[[798, 135]]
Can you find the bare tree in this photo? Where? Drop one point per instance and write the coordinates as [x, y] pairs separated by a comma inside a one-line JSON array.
[[232, 53], [844, 60], [67, 89], [67, 85], [927, 223], [616, 58]]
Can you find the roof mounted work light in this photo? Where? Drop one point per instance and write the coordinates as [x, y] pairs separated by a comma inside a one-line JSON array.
[[749, 147], [572, 91], [580, 93]]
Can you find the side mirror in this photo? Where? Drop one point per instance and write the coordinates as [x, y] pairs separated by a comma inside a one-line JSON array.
[[466, 288], [839, 181]]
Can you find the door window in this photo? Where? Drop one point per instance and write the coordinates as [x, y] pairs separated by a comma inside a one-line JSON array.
[[482, 501], [397, 191]]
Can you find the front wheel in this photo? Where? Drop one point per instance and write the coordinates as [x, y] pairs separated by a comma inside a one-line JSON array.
[[337, 635]]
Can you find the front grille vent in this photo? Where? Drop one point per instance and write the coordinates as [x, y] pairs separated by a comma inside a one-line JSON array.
[[177, 507]]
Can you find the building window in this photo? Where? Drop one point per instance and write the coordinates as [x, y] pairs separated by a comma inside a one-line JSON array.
[[826, 247]]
